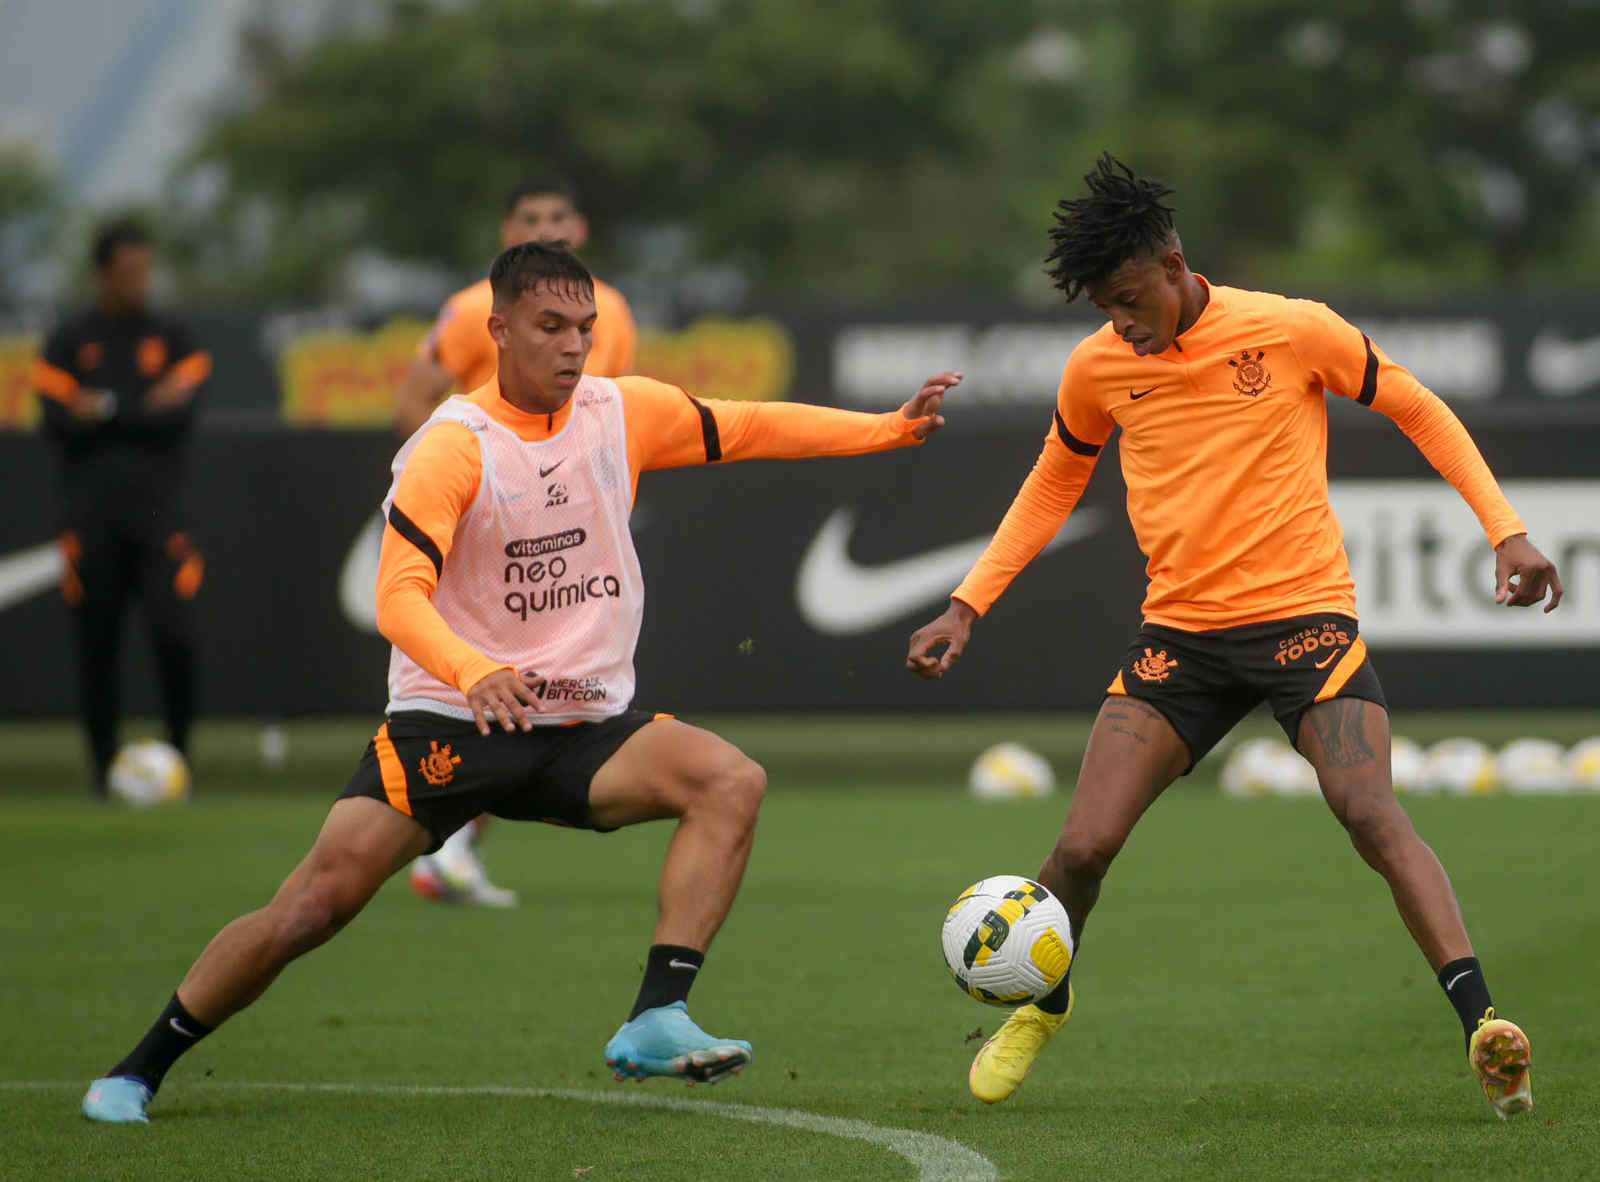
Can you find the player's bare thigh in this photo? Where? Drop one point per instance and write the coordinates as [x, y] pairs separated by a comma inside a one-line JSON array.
[[1133, 754], [662, 768], [1347, 741], [362, 842]]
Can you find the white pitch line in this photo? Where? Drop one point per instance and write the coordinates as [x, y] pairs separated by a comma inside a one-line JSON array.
[[937, 1159]]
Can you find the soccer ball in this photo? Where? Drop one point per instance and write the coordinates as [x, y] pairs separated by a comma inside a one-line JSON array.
[[1290, 774], [1408, 767], [1251, 769], [1009, 771], [1583, 765], [149, 773], [1533, 765], [1007, 940], [1461, 767]]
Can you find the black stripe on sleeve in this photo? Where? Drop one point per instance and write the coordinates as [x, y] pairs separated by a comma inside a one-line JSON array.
[[1369, 378], [412, 532], [1072, 441], [708, 429]]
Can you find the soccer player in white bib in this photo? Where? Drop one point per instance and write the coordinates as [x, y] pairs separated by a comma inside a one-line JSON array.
[[513, 597]]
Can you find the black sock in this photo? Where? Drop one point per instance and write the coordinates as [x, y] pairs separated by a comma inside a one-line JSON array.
[[1463, 983], [1055, 1002], [174, 1033], [668, 974]]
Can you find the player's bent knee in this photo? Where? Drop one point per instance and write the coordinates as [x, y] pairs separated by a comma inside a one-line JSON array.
[[740, 788], [317, 912]]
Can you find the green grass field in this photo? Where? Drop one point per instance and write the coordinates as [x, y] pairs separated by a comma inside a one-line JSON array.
[[1249, 1005]]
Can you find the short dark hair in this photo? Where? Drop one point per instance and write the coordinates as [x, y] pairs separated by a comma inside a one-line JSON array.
[[1121, 218], [519, 269], [541, 184], [114, 235]]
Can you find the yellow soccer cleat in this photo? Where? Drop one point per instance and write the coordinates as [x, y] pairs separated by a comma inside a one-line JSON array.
[[1004, 1061], [1501, 1059]]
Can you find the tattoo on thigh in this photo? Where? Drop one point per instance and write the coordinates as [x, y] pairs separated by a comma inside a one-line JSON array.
[[1339, 729], [1119, 729]]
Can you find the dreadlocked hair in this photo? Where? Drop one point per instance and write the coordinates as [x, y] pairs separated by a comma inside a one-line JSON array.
[[1121, 218]]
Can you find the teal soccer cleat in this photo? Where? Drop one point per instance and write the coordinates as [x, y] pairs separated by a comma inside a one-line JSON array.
[[117, 1099], [666, 1041]]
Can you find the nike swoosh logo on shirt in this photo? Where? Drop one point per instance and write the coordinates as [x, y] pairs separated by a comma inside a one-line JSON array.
[[839, 597], [28, 572], [1140, 394], [1323, 664], [543, 471]]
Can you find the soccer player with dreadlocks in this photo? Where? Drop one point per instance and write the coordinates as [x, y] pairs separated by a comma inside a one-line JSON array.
[[1220, 396]]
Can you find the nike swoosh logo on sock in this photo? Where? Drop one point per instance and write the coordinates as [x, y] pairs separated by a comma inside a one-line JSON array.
[[178, 1026], [1451, 983], [675, 963]]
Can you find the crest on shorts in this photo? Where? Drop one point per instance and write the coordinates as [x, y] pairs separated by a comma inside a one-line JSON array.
[[1250, 377], [438, 766], [1154, 666]]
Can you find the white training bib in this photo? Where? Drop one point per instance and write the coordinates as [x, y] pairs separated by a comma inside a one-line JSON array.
[[542, 573]]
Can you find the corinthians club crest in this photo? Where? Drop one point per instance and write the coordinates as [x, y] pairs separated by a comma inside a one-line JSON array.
[[1250, 377]]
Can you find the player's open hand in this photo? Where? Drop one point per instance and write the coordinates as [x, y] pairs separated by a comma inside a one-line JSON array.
[[949, 632], [1518, 559], [924, 404], [506, 697]]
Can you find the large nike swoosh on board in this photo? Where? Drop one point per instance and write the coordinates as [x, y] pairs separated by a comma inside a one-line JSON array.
[[28, 572], [838, 597], [358, 578]]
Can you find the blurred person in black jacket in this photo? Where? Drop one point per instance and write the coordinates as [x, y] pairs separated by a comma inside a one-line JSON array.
[[117, 383]]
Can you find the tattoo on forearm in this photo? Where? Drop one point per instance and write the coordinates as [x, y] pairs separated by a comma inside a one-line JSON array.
[[1339, 729]]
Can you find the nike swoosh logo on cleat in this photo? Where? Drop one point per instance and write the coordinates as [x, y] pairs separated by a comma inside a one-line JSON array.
[[1326, 661]]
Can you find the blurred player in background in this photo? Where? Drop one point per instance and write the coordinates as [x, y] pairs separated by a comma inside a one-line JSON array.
[[117, 383], [1220, 396], [512, 594], [460, 354]]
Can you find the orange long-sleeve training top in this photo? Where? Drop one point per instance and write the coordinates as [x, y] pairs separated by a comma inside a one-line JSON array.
[[1224, 452]]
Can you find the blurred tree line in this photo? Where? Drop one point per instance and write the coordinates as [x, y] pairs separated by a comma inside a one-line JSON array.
[[862, 148]]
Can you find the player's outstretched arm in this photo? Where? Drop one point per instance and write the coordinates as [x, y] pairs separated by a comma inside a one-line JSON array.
[[1522, 575], [938, 645], [669, 428]]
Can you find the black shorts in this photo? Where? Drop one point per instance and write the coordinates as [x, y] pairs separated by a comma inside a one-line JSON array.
[[441, 772], [1205, 682]]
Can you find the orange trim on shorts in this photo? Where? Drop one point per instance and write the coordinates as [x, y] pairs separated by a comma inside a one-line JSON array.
[[1343, 671], [1116, 686], [394, 776]]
